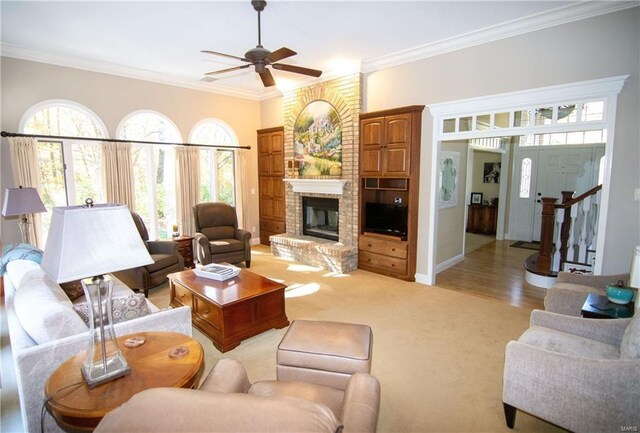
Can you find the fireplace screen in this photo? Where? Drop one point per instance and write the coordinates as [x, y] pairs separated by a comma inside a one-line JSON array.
[[320, 217]]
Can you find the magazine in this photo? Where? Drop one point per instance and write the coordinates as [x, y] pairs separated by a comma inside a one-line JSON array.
[[217, 271]]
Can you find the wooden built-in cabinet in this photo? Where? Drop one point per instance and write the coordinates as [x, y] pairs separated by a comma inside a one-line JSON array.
[[482, 219], [270, 174], [389, 171]]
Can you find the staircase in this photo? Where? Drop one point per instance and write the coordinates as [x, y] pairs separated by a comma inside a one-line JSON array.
[[567, 237]]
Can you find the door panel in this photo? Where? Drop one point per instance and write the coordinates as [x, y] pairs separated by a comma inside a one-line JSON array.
[[523, 204]]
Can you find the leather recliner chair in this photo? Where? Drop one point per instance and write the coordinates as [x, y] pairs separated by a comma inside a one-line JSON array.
[[166, 260], [218, 238], [227, 401]]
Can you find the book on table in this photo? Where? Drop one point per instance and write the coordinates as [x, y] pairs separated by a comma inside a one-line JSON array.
[[217, 271]]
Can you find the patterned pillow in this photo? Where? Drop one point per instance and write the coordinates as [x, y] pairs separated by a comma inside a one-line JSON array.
[[19, 251], [73, 289], [123, 308]]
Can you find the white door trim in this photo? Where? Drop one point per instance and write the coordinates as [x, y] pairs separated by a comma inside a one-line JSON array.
[[605, 88]]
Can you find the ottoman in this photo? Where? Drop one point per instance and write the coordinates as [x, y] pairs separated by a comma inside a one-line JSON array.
[[325, 353]]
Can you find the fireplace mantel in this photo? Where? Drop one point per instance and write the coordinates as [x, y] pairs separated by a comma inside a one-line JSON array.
[[318, 186]]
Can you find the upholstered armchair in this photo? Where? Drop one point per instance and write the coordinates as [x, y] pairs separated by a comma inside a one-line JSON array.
[[227, 402], [218, 238], [570, 292], [166, 260], [580, 374]]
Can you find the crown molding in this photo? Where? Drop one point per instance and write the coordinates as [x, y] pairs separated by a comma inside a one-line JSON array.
[[7, 50], [540, 21]]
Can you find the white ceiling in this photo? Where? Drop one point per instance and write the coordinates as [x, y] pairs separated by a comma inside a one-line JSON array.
[[161, 41]]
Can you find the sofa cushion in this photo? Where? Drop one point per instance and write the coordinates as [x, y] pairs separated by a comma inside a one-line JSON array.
[[161, 261], [630, 345], [569, 344], [123, 308], [200, 411], [44, 310], [218, 232], [19, 252]]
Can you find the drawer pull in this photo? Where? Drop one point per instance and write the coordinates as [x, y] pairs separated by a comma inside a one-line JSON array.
[[369, 245], [393, 249]]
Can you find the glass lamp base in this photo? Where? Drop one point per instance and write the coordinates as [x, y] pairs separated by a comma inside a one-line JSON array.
[[95, 374]]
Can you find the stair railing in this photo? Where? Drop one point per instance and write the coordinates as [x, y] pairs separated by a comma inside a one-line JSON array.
[[574, 223]]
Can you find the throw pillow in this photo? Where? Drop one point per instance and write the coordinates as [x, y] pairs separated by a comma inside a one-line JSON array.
[[73, 289], [19, 251], [630, 346], [123, 308]]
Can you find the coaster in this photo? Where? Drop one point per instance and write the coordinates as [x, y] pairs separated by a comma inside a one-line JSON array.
[[134, 341], [178, 352]]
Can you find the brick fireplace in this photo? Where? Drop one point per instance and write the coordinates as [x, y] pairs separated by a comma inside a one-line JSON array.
[[342, 256]]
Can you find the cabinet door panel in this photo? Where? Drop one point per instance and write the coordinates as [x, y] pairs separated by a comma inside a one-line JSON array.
[[398, 140], [371, 141], [264, 161], [277, 153], [371, 162], [372, 132], [398, 129], [397, 161]]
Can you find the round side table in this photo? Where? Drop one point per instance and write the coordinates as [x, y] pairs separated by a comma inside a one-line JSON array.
[[76, 407]]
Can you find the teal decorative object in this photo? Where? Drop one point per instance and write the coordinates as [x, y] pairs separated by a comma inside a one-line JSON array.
[[618, 294]]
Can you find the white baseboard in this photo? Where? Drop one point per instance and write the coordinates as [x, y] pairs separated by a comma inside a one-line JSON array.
[[449, 262], [423, 279], [255, 241]]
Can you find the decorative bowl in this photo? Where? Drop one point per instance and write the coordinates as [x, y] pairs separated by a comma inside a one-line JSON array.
[[619, 295]]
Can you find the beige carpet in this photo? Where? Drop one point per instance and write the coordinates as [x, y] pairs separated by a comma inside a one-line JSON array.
[[438, 354]]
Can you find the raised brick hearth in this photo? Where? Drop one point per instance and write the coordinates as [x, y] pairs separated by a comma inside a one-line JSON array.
[[342, 256]]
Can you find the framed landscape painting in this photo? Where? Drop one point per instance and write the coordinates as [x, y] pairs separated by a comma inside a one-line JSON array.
[[317, 140]]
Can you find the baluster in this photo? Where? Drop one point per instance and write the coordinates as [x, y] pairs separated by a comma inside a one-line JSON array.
[[582, 246], [571, 250], [557, 255]]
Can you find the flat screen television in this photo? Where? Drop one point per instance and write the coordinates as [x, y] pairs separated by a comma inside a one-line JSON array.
[[385, 218]]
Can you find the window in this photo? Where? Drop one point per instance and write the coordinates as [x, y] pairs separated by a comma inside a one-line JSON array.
[[525, 178], [217, 166], [70, 171], [154, 175]]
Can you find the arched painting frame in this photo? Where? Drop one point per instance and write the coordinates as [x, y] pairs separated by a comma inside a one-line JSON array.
[[317, 140]]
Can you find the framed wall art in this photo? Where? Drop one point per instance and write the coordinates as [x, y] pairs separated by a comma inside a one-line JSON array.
[[448, 187], [317, 140], [476, 198]]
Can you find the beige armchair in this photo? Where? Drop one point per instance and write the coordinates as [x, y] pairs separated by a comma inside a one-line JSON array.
[[570, 292], [218, 238], [227, 401], [166, 260], [580, 374]]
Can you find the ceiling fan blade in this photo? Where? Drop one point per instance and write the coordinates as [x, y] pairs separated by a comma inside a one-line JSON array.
[[297, 69], [280, 54], [222, 71], [267, 78], [224, 55]]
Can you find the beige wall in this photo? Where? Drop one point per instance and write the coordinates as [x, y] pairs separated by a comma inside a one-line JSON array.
[[271, 113], [451, 219], [27, 83], [488, 190], [599, 47]]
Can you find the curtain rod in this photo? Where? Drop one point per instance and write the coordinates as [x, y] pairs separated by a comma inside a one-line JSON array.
[[115, 140]]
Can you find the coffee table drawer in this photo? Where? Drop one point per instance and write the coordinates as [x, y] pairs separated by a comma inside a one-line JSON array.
[[182, 296], [207, 312]]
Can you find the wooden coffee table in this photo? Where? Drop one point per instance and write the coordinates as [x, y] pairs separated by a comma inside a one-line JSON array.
[[77, 407], [233, 310]]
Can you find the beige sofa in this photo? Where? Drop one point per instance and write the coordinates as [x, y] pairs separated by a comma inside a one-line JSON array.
[[227, 401], [45, 331]]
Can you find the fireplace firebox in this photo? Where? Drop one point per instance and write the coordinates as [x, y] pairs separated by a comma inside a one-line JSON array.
[[320, 217]]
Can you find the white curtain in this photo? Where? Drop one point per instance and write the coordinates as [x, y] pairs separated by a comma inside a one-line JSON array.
[[242, 203], [187, 186], [117, 170], [24, 161]]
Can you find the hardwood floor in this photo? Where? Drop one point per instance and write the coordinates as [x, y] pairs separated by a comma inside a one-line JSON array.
[[494, 271]]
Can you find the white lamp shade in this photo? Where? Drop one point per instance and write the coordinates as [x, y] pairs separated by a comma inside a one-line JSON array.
[[88, 241], [635, 268], [20, 201]]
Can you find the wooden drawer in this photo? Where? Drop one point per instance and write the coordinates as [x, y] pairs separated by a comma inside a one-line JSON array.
[[276, 227], [378, 262], [182, 296], [386, 247], [207, 312]]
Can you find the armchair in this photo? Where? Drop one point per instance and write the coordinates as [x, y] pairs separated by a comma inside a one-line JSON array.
[[166, 260], [218, 238], [580, 374], [570, 292], [227, 401]]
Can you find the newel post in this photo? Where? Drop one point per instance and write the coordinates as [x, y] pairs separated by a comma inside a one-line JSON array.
[[543, 264], [566, 225]]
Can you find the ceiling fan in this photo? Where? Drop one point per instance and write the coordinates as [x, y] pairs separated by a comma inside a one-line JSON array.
[[260, 57]]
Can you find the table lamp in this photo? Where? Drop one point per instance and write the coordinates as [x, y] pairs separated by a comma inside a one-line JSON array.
[[91, 241], [22, 201]]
